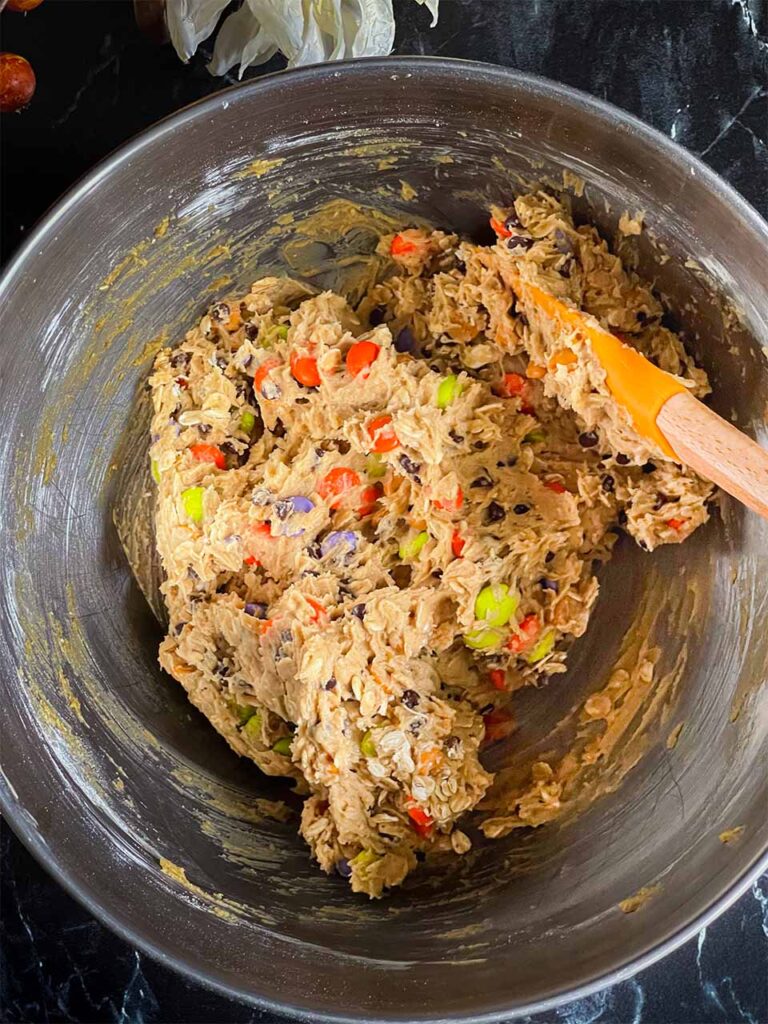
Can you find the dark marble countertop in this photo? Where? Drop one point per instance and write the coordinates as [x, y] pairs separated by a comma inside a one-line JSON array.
[[695, 69]]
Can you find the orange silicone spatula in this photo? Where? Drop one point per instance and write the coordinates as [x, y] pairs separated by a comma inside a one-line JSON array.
[[660, 407]]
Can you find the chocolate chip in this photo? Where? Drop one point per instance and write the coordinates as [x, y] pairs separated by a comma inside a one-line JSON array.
[[279, 428], [204, 428], [222, 363], [519, 242], [456, 438], [480, 446], [180, 359], [608, 483], [331, 684], [663, 499], [547, 584], [649, 467], [549, 556], [283, 508], [512, 221], [410, 698], [623, 460], [452, 744], [220, 311], [437, 573], [411, 468], [482, 481], [251, 331], [495, 512], [521, 509], [376, 316], [562, 242], [588, 439], [359, 611], [405, 341]]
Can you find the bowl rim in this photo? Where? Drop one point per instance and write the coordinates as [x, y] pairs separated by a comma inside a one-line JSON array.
[[23, 823]]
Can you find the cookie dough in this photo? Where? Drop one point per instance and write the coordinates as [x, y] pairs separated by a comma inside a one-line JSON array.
[[377, 524]]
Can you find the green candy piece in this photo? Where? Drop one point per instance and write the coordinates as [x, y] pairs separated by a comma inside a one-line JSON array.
[[367, 746], [481, 639], [192, 499], [253, 721], [364, 859], [247, 422], [496, 604], [155, 470], [534, 435], [278, 332], [448, 391], [375, 466], [283, 746], [411, 548], [542, 647]]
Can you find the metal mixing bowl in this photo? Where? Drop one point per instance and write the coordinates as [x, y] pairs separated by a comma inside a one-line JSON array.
[[125, 793]]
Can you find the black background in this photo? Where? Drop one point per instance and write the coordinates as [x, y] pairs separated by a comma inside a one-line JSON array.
[[695, 69]]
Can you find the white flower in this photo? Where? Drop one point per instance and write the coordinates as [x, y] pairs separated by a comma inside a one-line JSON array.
[[304, 31]]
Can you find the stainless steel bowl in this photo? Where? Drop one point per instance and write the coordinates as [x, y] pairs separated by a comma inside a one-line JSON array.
[[125, 793]]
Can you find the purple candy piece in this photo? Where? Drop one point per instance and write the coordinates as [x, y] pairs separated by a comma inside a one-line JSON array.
[[301, 504], [258, 609], [288, 531], [343, 868], [339, 539]]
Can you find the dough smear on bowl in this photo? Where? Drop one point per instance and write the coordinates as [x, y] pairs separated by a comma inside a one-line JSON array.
[[377, 523]]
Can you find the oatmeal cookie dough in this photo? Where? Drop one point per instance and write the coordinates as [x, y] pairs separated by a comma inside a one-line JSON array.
[[375, 527]]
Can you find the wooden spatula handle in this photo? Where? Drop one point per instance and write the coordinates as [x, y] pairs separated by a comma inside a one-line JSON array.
[[716, 450]]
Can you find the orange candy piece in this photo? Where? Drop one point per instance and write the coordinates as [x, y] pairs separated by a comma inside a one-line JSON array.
[[451, 504], [336, 483], [361, 356], [305, 371], [369, 497], [262, 373], [511, 385], [529, 627], [499, 228], [209, 453], [422, 821], [382, 434], [498, 678], [400, 246]]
